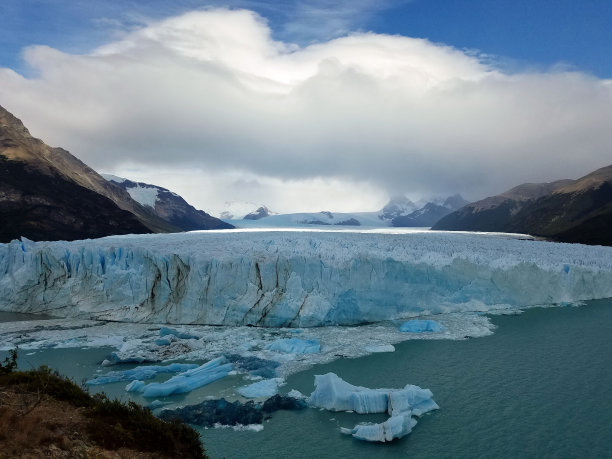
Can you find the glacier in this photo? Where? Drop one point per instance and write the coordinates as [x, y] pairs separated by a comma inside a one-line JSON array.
[[333, 393], [295, 279]]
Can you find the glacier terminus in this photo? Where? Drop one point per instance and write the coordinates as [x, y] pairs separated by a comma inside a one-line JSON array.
[[295, 279]]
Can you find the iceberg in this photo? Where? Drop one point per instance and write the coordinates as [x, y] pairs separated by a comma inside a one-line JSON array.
[[295, 346], [261, 389], [135, 386], [392, 428], [142, 372], [333, 393], [420, 326], [189, 380], [295, 279]]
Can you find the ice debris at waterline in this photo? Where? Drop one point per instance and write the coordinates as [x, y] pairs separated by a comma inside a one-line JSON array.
[[294, 279], [295, 346], [186, 381], [141, 372], [420, 326], [333, 393], [213, 413]]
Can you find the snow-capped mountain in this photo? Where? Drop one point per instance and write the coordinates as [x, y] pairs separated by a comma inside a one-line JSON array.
[[396, 207], [237, 210], [168, 205], [430, 213], [399, 211]]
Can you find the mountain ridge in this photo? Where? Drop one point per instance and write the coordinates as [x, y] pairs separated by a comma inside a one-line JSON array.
[[565, 210]]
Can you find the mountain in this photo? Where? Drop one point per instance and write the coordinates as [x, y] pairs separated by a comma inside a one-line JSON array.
[[238, 210], [396, 207], [261, 212], [430, 213], [168, 206], [565, 210], [46, 193]]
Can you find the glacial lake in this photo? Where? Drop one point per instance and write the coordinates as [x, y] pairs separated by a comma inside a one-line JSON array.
[[538, 387]]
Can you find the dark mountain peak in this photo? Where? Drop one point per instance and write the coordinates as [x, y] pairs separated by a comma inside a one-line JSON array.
[[261, 212], [455, 202]]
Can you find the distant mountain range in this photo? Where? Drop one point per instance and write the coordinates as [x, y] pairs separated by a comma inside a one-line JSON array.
[[399, 211], [565, 210], [48, 194], [168, 206]]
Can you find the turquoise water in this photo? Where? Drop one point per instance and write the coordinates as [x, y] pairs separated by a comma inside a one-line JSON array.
[[539, 387]]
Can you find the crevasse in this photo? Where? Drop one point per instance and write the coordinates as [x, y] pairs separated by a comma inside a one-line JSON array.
[[294, 279]]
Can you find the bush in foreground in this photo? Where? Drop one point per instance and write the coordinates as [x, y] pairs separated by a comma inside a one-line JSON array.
[[110, 424]]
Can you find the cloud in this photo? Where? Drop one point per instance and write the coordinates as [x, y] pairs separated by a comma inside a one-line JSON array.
[[213, 92]]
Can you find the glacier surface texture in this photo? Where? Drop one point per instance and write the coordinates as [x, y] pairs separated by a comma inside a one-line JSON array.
[[294, 279]]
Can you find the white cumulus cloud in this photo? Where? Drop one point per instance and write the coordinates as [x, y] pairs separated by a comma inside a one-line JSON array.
[[212, 95]]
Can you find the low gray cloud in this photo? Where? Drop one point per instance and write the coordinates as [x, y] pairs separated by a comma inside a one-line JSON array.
[[364, 114]]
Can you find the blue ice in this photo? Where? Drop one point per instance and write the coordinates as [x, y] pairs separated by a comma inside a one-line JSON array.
[[295, 346], [420, 326], [190, 380], [261, 389], [142, 372]]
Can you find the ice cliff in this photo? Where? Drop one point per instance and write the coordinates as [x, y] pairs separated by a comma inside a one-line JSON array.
[[294, 279]]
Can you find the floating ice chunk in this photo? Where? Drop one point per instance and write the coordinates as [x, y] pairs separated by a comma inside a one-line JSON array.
[[135, 386], [254, 365], [260, 389], [420, 326], [294, 393], [394, 427], [295, 346], [332, 393], [165, 331], [380, 348], [335, 394], [411, 398], [162, 341], [142, 372], [190, 380]]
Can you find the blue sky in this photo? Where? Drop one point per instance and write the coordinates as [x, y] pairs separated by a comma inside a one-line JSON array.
[[306, 105], [517, 33]]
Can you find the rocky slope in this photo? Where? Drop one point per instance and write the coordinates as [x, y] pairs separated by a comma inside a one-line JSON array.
[[565, 210], [46, 193], [168, 206]]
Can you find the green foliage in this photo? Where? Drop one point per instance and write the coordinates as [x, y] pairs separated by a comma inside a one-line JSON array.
[[10, 363], [116, 424]]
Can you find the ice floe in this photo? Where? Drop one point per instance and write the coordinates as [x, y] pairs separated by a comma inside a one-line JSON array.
[[140, 372], [189, 380], [261, 389], [333, 393]]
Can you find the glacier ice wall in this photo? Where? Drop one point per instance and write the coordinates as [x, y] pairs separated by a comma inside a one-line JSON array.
[[294, 279]]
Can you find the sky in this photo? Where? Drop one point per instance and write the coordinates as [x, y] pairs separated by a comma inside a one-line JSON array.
[[316, 105]]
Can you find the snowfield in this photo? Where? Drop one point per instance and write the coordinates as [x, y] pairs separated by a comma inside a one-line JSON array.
[[293, 278]]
